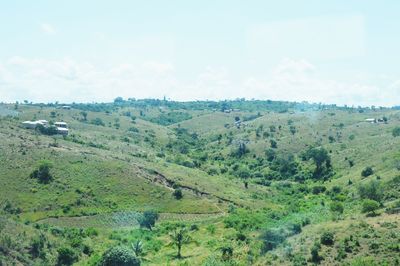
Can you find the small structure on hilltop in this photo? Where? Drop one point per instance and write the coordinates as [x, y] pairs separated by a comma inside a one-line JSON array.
[[61, 127], [34, 124], [67, 107], [370, 120]]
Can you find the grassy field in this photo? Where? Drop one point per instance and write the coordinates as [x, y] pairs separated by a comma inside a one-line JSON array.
[[244, 201]]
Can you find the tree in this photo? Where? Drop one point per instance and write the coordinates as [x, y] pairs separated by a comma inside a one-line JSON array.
[[327, 238], [271, 239], [120, 256], [179, 237], [321, 159], [273, 143], [372, 190], [396, 132], [43, 172], [370, 206], [148, 219], [292, 129], [66, 256], [367, 171], [336, 207], [178, 194], [84, 115], [227, 252]]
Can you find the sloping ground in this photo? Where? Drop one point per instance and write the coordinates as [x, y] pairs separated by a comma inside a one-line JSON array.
[[354, 239]]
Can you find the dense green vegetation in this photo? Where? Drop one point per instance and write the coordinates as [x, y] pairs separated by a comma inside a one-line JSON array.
[[155, 182]]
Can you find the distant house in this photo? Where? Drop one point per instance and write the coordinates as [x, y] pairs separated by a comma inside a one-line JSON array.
[[370, 120], [34, 124], [62, 128], [67, 107]]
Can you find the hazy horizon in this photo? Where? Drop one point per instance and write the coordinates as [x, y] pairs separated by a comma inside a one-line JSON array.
[[342, 52]]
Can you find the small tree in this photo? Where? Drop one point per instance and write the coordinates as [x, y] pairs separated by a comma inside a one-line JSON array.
[[179, 237], [66, 256], [336, 207], [327, 238], [138, 248], [84, 115], [367, 171], [43, 172], [396, 132], [178, 194], [273, 143], [370, 206], [148, 219], [372, 190]]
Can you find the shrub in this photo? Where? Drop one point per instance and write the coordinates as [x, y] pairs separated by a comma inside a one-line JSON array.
[[369, 206], [337, 207], [327, 238], [148, 219], [178, 194], [120, 256], [318, 189], [372, 190], [367, 171], [66, 256], [315, 257], [43, 172], [271, 239], [396, 132], [98, 122]]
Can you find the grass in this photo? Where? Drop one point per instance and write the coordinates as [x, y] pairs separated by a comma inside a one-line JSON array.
[[105, 176]]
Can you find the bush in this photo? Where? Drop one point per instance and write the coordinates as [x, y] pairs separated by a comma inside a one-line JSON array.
[[43, 172], [98, 122], [318, 189], [178, 194], [337, 207], [120, 256], [396, 132], [372, 190], [148, 219], [66, 256], [367, 171], [327, 238], [271, 239], [369, 206]]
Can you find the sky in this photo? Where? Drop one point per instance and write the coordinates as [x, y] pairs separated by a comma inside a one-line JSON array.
[[331, 51]]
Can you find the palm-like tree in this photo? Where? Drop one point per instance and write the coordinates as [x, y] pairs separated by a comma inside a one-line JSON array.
[[179, 237]]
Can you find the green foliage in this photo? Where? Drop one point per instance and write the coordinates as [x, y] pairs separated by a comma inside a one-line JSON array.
[[322, 162], [119, 256], [66, 256], [336, 207], [178, 194], [327, 238], [271, 238], [372, 190], [148, 219], [369, 206], [171, 118], [180, 236], [42, 173], [97, 121], [367, 172], [396, 132]]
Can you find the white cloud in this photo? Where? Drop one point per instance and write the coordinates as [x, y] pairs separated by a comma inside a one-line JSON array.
[[47, 28], [67, 80]]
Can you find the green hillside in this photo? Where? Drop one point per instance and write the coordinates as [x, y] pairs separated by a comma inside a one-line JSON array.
[[251, 183]]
